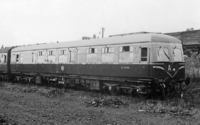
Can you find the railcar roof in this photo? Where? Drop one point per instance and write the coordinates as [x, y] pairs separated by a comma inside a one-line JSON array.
[[136, 38], [5, 50]]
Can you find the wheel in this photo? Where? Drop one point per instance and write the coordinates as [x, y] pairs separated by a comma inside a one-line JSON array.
[[163, 92], [128, 91], [114, 90], [143, 96], [141, 93]]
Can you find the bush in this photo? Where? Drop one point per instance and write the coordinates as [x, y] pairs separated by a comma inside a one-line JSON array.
[[192, 67]]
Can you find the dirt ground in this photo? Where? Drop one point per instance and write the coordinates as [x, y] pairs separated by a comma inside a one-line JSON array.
[[37, 105]]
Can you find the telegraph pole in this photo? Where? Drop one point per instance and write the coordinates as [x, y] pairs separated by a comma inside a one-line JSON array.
[[103, 29]]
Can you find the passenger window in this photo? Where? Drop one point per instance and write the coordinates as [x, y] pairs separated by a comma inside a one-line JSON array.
[[143, 54], [80, 51], [91, 50], [51, 53], [126, 49], [107, 50], [41, 53], [62, 52]]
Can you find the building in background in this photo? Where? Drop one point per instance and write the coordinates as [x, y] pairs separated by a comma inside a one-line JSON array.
[[190, 39]]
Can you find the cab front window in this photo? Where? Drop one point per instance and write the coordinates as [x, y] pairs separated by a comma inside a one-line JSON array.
[[162, 54], [177, 55]]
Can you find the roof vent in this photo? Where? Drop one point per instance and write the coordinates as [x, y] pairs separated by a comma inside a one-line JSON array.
[[86, 38], [125, 34]]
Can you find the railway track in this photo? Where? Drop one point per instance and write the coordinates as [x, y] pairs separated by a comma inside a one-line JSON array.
[[59, 89]]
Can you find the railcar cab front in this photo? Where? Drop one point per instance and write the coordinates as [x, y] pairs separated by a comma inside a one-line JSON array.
[[168, 67], [168, 61]]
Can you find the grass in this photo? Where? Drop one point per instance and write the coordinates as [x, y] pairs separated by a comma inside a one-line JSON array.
[[70, 107], [188, 106]]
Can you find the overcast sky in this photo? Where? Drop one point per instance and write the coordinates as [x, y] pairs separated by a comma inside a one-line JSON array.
[[25, 22]]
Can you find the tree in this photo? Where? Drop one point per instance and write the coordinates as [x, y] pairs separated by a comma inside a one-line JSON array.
[[94, 36]]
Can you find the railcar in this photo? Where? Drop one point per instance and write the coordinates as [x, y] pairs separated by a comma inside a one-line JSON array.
[[143, 63], [5, 63]]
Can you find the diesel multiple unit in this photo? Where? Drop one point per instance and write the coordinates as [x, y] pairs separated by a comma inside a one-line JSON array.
[[143, 63]]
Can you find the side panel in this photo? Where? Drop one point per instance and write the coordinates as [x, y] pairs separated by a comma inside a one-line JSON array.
[[128, 70], [3, 68]]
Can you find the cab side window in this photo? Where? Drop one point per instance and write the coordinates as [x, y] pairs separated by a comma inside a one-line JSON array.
[[144, 54]]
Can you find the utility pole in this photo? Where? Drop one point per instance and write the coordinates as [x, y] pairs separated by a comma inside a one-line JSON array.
[[103, 29]]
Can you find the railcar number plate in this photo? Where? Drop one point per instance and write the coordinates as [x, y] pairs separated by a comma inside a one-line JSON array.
[[125, 67]]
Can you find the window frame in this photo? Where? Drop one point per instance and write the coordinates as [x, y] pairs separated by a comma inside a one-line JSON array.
[[40, 53], [80, 51], [51, 53], [173, 54], [105, 50], [163, 47], [92, 50], [123, 50]]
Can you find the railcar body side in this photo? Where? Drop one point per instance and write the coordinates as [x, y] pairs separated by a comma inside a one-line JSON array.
[[142, 62]]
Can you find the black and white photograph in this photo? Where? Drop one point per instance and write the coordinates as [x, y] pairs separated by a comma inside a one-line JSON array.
[[99, 62]]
